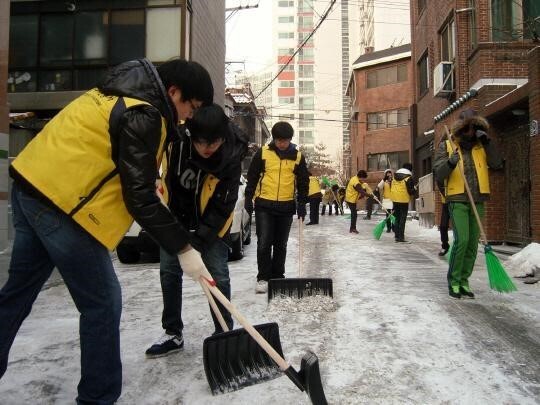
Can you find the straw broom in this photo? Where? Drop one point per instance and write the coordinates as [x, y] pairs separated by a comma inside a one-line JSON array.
[[498, 278]]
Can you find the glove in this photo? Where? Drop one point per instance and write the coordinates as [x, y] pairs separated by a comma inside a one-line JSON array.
[[248, 206], [301, 211], [454, 159], [482, 136], [192, 264]]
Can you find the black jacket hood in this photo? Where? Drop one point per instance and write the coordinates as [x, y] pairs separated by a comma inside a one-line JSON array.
[[139, 79]]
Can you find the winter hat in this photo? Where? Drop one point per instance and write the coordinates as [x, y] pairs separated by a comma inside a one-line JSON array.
[[282, 130], [469, 117]]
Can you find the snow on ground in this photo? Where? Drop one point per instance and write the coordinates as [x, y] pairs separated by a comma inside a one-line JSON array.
[[391, 335]]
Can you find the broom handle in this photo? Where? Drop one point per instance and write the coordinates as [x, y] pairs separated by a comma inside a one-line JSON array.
[[280, 361], [483, 238], [380, 204], [338, 203], [213, 305], [300, 247]]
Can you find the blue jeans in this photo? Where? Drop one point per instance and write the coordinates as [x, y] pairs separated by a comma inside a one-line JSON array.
[[170, 273], [272, 237], [45, 237]]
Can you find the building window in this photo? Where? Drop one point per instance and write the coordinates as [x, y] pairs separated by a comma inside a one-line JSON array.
[[388, 119], [514, 20], [448, 42], [305, 71], [389, 160], [306, 120], [55, 51], [421, 6], [286, 3], [286, 100], [305, 6], [286, 117], [285, 51], [288, 68], [302, 36], [285, 35], [390, 75], [305, 22], [305, 54], [306, 137], [423, 74], [306, 87], [472, 24], [286, 83], [306, 103], [286, 19]]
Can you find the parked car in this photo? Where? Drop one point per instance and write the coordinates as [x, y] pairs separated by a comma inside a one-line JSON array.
[[137, 242]]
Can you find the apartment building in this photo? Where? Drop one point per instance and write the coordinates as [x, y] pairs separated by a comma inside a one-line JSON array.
[[59, 49], [381, 95], [483, 54]]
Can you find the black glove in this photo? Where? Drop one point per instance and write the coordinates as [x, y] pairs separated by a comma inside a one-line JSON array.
[[301, 211], [453, 160], [197, 243], [482, 136], [248, 206]]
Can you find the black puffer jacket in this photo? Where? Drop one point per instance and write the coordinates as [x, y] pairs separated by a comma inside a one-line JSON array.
[[184, 164], [136, 145]]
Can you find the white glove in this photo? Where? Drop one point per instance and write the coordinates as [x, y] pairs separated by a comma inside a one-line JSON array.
[[192, 264]]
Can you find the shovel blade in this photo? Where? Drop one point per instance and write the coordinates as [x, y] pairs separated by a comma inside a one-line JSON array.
[[299, 287], [309, 369], [233, 360]]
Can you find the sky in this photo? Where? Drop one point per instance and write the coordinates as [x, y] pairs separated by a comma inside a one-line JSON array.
[[390, 335], [248, 37]]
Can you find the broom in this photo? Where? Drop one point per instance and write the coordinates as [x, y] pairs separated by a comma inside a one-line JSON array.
[[327, 183], [498, 278], [379, 228]]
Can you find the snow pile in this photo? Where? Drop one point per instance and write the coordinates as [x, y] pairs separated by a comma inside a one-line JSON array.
[[316, 303], [526, 262]]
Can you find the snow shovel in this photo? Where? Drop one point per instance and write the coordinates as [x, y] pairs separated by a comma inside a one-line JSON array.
[[233, 360], [299, 287]]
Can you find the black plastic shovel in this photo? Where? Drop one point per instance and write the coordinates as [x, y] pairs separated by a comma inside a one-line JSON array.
[[299, 287], [234, 359]]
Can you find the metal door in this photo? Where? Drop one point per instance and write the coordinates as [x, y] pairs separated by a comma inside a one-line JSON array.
[[517, 178]]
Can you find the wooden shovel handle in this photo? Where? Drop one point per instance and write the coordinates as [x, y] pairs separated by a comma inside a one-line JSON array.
[[380, 203], [468, 189], [213, 305], [280, 361]]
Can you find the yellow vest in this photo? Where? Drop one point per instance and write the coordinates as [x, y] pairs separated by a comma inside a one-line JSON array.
[[70, 163], [314, 186], [277, 183], [207, 190], [399, 191], [455, 184], [387, 190], [351, 195]]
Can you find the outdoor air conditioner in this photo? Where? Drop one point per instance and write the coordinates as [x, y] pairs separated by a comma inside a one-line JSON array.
[[443, 79]]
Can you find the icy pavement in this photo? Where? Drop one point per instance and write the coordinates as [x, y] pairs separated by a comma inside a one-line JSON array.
[[390, 336]]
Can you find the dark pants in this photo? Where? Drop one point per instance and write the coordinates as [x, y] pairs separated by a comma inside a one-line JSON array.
[[329, 209], [389, 225], [369, 207], [354, 215], [46, 237], [272, 236], [400, 212], [314, 204], [170, 273], [443, 227]]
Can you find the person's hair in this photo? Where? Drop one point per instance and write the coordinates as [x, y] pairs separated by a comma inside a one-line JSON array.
[[407, 166], [209, 123], [282, 130], [386, 173], [361, 174], [190, 77]]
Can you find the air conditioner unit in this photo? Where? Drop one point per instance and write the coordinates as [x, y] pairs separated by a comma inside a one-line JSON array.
[[443, 79]]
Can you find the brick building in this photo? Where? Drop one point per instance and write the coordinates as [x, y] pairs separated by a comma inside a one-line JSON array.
[[380, 89], [482, 54]]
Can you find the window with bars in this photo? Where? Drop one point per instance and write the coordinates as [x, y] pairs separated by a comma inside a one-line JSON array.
[[385, 76], [388, 119]]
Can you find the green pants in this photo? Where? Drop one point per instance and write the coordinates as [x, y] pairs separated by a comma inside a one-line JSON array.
[[465, 247]]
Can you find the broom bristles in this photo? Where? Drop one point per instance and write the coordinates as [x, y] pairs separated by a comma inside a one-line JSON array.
[[498, 278], [378, 230]]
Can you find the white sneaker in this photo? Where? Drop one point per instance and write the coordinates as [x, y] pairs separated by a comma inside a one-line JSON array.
[[261, 287]]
